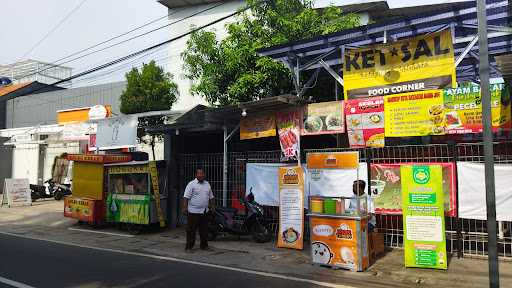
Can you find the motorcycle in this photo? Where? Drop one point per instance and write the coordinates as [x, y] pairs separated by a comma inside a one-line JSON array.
[[61, 190], [49, 189], [227, 220]]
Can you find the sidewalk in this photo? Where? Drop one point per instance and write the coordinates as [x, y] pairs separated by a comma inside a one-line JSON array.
[[44, 220]]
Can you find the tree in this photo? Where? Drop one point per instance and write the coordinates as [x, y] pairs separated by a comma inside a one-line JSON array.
[[229, 71], [150, 89]]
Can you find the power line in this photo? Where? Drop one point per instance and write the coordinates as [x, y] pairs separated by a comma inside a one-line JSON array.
[[70, 13], [122, 42]]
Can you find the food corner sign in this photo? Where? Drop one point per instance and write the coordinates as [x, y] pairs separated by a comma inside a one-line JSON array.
[[291, 208], [423, 210], [422, 63]]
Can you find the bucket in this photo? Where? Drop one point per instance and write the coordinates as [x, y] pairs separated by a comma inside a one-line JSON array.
[[317, 205], [330, 206]]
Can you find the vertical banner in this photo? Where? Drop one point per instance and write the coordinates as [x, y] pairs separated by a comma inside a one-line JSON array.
[[323, 118], [365, 122], [291, 208], [414, 114], [288, 126], [464, 109], [257, 126], [422, 63], [423, 210]]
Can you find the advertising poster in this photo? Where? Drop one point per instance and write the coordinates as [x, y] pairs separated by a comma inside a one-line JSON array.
[[257, 126], [117, 133], [414, 114], [288, 126], [365, 122], [464, 109], [334, 242], [16, 192], [323, 118], [124, 208], [423, 208], [78, 208], [386, 188], [291, 208], [78, 131], [422, 63]]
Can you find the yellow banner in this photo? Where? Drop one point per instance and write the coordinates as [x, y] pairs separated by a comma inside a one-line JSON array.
[[414, 114], [422, 63], [131, 169], [291, 208], [257, 126]]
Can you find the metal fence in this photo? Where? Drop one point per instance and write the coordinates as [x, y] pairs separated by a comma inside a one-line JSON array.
[[464, 236]]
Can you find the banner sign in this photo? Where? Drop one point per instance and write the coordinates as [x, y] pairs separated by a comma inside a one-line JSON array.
[[335, 242], [16, 192], [333, 160], [422, 63], [323, 118], [288, 126], [128, 169], [117, 133], [464, 109], [365, 122], [386, 188], [95, 158], [125, 208], [291, 208], [257, 126], [79, 208], [414, 114], [78, 131], [423, 208]]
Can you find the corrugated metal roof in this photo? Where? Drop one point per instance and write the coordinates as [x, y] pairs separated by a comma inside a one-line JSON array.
[[184, 3]]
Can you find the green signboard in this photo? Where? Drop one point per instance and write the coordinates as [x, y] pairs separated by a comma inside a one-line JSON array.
[[423, 211], [125, 208]]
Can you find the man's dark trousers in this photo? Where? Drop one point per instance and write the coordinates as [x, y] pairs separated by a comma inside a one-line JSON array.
[[195, 221]]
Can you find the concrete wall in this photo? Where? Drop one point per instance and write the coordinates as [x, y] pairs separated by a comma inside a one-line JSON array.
[[41, 109]]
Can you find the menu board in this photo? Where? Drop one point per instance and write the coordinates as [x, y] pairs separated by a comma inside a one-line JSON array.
[[16, 192], [323, 118], [79, 208], [386, 188], [365, 122], [423, 208], [414, 114], [464, 109], [288, 126], [257, 126], [291, 208]]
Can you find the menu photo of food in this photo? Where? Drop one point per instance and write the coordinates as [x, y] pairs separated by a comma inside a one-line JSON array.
[[365, 122], [288, 126], [323, 118]]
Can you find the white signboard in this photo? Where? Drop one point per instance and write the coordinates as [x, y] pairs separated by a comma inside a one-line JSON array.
[[335, 182], [79, 131], [16, 192], [117, 133]]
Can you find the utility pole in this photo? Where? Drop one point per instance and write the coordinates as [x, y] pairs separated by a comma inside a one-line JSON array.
[[483, 48]]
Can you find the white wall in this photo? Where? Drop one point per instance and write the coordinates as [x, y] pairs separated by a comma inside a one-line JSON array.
[[186, 100], [25, 162]]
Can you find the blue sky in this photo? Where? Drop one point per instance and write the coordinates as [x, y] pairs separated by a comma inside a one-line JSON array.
[[26, 21]]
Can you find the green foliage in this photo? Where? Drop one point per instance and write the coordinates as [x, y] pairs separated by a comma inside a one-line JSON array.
[[229, 71], [148, 89]]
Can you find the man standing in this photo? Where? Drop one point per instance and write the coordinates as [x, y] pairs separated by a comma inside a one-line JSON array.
[[358, 188], [198, 194]]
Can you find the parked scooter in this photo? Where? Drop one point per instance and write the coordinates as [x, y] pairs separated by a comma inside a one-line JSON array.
[[61, 190], [226, 220], [42, 191]]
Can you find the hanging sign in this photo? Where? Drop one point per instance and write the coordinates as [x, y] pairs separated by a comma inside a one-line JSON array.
[[464, 109], [117, 133], [386, 188], [333, 160], [78, 131], [288, 126], [414, 114], [365, 122], [257, 126], [422, 63], [323, 118], [291, 208], [423, 208], [16, 193]]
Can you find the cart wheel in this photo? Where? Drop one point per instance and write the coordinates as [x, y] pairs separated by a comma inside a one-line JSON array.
[[134, 229]]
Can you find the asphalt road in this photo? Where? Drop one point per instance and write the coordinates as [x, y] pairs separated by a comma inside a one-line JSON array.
[[44, 264]]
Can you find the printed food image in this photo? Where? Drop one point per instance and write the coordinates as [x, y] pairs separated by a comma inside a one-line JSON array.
[[438, 130], [288, 139], [376, 140], [375, 118], [356, 137], [437, 120], [290, 235], [347, 255], [354, 120], [333, 122], [313, 124], [321, 253], [452, 119], [435, 110]]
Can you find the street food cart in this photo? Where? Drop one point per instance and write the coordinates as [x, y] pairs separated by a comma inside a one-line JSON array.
[[339, 232], [87, 202], [136, 194]]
